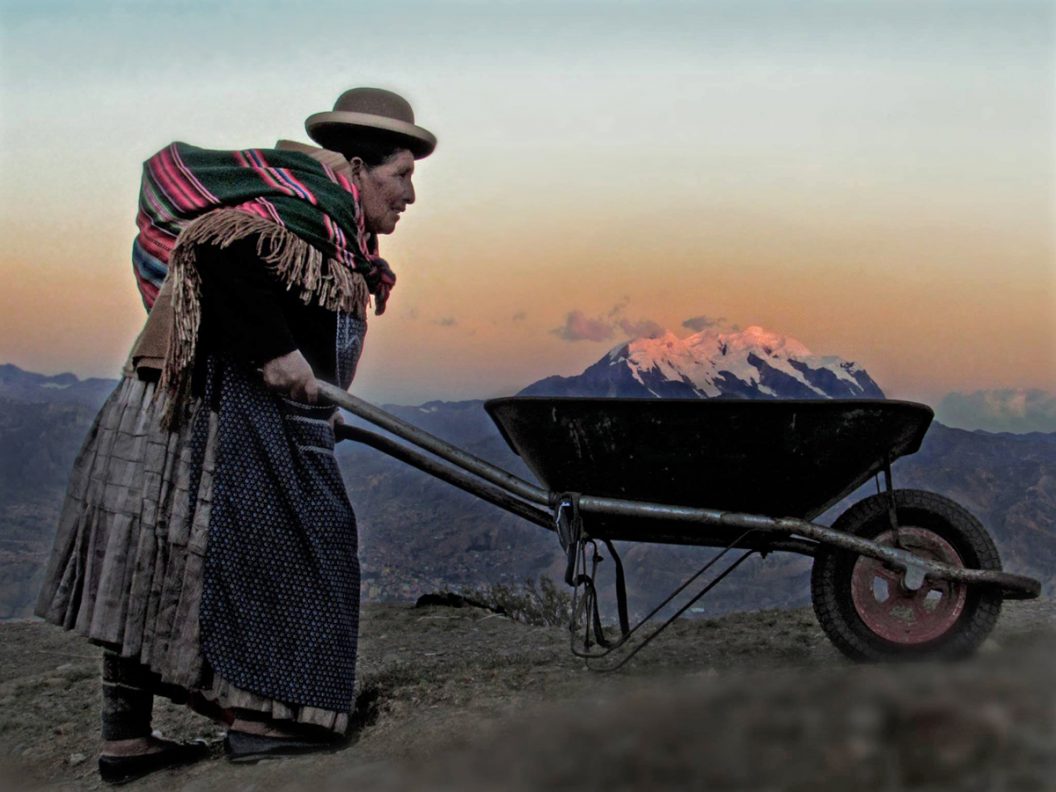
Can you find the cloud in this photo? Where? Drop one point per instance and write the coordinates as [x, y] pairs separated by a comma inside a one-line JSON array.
[[1007, 410], [702, 322], [618, 308], [643, 328], [579, 327]]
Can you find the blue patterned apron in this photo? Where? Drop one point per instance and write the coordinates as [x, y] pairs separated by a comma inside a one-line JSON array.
[[280, 605]]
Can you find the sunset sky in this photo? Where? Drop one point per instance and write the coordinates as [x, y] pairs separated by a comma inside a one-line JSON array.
[[875, 178]]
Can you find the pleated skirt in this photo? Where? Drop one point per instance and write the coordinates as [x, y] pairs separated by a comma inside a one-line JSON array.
[[126, 569]]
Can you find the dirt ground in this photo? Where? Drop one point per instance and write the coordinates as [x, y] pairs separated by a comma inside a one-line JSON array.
[[461, 698]]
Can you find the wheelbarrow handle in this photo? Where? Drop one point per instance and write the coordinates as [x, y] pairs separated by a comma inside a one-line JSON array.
[[421, 439], [446, 472]]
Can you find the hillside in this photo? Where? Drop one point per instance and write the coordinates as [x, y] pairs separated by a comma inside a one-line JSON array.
[[420, 535], [463, 699], [38, 443]]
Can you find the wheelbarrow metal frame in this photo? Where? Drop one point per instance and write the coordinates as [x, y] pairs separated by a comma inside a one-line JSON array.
[[524, 499]]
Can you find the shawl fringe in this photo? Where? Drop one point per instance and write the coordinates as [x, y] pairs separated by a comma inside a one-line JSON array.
[[324, 281]]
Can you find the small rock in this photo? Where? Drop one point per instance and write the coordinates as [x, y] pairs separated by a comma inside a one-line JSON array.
[[75, 759]]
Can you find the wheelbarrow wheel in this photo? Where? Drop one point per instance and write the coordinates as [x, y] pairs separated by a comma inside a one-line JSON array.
[[865, 608]]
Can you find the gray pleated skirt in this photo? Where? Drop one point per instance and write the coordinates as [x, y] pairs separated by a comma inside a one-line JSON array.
[[126, 567]]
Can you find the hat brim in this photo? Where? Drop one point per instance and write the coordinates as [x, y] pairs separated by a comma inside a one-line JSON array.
[[336, 128]]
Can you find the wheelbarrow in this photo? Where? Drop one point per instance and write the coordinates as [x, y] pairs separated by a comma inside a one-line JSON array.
[[900, 574]]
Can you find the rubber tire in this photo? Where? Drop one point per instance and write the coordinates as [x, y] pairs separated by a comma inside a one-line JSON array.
[[830, 580]]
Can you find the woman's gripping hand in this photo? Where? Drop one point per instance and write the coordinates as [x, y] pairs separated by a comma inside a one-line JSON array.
[[291, 376]]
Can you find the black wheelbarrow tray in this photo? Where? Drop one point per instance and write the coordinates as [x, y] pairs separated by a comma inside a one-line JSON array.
[[900, 574]]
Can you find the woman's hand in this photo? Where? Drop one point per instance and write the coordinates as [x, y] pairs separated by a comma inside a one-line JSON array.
[[291, 376]]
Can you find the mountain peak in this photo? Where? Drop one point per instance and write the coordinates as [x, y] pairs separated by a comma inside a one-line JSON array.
[[754, 363]]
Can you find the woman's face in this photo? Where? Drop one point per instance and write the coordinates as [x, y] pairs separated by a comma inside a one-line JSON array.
[[385, 191]]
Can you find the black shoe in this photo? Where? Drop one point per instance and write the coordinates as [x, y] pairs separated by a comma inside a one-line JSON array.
[[245, 747], [122, 769]]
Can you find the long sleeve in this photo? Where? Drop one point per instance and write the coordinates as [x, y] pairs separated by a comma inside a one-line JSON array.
[[249, 315]]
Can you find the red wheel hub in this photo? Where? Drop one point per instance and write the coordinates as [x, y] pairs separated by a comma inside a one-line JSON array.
[[897, 613]]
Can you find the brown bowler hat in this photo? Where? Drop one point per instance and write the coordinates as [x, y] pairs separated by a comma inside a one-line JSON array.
[[368, 113]]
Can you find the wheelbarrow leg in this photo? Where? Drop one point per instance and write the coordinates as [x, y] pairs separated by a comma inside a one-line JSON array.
[[569, 523]]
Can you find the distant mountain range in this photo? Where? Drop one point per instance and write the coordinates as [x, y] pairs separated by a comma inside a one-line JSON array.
[[20, 385], [419, 534]]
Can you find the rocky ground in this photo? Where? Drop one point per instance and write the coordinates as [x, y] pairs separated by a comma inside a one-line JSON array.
[[462, 698]]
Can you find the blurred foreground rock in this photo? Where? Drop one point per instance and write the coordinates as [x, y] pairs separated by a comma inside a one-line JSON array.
[[466, 699]]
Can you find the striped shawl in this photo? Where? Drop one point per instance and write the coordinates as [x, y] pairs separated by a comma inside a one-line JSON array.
[[306, 217]]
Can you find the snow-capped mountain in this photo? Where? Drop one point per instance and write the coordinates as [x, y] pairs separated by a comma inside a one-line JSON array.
[[749, 364]]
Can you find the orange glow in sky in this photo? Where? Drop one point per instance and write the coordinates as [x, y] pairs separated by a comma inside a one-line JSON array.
[[875, 180]]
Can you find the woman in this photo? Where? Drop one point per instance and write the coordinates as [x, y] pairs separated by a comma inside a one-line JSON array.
[[206, 540]]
